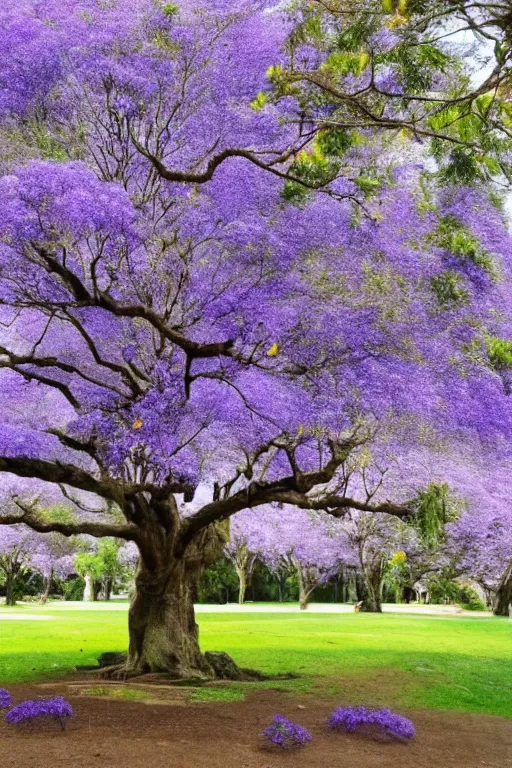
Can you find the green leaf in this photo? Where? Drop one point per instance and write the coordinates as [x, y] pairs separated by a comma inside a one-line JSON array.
[[346, 63], [448, 288], [500, 352], [170, 9], [259, 102], [367, 185]]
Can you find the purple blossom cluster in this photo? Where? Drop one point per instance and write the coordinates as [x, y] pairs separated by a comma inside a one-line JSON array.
[[285, 734], [351, 719], [29, 710], [5, 699]]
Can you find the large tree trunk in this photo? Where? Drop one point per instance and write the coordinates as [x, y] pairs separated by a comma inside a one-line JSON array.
[[162, 628], [503, 599], [163, 634]]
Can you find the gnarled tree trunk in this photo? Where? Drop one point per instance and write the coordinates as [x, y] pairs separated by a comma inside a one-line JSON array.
[[372, 600], [163, 634], [503, 599], [162, 628]]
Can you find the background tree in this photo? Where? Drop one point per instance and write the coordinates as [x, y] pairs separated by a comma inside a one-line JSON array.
[[481, 549], [16, 545], [313, 545], [102, 567], [54, 558], [250, 538]]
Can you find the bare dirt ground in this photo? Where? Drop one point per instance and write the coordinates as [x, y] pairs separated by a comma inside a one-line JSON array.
[[114, 733]]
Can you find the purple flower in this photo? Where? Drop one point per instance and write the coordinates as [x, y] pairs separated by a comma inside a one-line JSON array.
[[5, 699], [57, 707], [285, 734], [350, 719]]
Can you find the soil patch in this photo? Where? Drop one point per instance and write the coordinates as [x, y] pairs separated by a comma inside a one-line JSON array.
[[116, 731]]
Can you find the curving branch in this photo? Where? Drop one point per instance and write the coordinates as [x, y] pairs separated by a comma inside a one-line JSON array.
[[86, 298], [97, 529], [293, 490], [59, 473], [256, 495]]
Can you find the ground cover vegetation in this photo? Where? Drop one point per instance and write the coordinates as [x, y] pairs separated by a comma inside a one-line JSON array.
[[382, 660]]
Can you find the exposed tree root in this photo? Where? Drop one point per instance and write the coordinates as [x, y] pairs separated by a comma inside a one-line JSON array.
[[114, 667]]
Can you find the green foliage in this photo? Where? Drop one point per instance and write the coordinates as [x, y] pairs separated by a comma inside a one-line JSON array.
[[418, 65], [469, 600], [102, 564], [356, 35], [170, 9], [346, 63], [462, 168], [48, 145], [27, 583], [453, 236], [448, 288], [500, 352], [259, 102], [335, 142], [74, 589], [219, 583], [434, 507], [313, 168], [368, 185], [443, 589], [293, 192]]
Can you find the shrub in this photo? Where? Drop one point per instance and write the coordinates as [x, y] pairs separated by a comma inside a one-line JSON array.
[[29, 710], [470, 600], [5, 699], [74, 589], [285, 734], [351, 719]]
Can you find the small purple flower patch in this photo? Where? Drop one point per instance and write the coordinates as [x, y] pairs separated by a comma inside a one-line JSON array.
[[351, 719], [5, 699], [30, 710], [285, 734]]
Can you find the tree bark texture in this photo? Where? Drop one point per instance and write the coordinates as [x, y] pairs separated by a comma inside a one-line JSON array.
[[503, 599]]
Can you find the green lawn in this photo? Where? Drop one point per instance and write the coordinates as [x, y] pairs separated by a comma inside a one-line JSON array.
[[389, 659]]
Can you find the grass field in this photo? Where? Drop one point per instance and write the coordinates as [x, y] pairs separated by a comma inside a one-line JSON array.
[[395, 660]]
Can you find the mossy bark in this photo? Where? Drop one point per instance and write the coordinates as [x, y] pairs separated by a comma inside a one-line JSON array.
[[163, 632]]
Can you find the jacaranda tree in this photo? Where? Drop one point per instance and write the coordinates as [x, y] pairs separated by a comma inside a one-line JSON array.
[[174, 314]]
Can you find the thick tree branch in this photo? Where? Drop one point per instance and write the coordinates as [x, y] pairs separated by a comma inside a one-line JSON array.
[[67, 474], [93, 528], [256, 495]]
